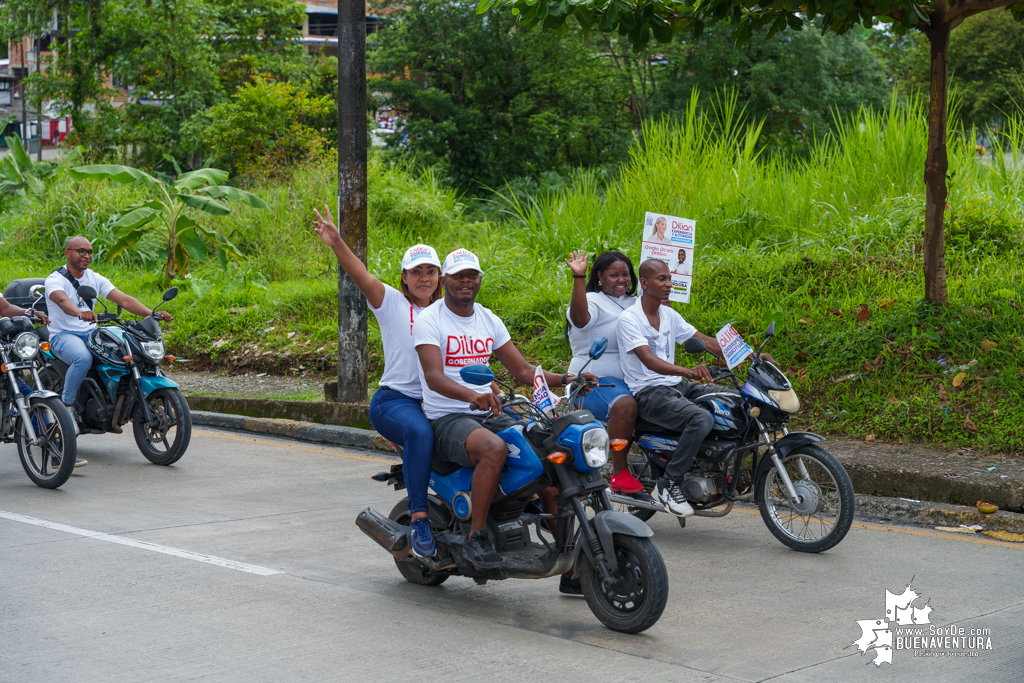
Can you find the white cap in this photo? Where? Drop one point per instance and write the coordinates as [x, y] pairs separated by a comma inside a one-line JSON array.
[[460, 260], [420, 255]]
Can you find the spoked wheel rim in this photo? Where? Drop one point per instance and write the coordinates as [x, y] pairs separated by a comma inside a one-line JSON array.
[[166, 421], [628, 595], [47, 427], [817, 515]]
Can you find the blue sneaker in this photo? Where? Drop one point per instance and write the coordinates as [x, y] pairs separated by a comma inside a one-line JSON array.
[[422, 538]]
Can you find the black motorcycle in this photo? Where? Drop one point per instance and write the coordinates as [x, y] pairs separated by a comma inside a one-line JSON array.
[[803, 492], [622, 574], [36, 421]]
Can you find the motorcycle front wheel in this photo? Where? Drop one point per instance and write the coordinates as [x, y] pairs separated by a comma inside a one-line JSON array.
[[51, 422], [165, 442], [823, 516], [637, 599]]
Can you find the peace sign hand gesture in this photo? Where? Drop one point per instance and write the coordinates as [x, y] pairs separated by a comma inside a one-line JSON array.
[[325, 228], [577, 262]]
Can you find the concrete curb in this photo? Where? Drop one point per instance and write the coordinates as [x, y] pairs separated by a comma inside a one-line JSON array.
[[870, 507], [325, 413], [352, 437], [935, 514]]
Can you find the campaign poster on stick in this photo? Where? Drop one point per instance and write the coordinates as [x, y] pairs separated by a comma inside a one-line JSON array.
[[734, 349], [542, 396], [671, 239]]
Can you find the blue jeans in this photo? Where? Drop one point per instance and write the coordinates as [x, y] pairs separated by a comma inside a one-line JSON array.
[[73, 349], [601, 399], [400, 420]]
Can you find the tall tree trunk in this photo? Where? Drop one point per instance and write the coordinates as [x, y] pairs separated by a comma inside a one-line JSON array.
[[935, 167], [352, 383]]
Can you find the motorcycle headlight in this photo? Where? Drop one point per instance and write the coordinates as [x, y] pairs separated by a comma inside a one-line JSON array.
[[595, 448], [154, 350], [787, 400], [26, 345]]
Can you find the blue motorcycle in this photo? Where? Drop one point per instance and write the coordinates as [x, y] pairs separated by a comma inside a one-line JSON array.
[[622, 574], [125, 383]]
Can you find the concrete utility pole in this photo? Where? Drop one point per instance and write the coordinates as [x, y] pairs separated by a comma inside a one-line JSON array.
[[39, 105], [352, 385]]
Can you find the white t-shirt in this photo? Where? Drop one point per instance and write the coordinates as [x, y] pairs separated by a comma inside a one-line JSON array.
[[681, 268], [61, 321], [401, 365], [604, 321], [463, 341], [634, 331]]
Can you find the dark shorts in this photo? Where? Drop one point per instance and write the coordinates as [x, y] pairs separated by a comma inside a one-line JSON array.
[[452, 431]]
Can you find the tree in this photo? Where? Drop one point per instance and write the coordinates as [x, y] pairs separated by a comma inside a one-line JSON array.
[[986, 60], [491, 103], [796, 83], [935, 19]]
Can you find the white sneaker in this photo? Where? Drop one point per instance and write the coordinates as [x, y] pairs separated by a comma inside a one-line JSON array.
[[671, 494]]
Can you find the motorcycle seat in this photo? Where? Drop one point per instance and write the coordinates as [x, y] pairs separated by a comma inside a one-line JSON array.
[[443, 467], [646, 427]]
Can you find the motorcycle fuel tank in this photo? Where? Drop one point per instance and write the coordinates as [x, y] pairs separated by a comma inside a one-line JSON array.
[[522, 467], [728, 411]]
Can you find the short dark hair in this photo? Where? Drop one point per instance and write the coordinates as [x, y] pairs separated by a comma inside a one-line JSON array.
[[603, 263], [651, 264]]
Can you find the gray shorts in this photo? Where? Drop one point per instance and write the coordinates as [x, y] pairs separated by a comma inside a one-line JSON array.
[[452, 431]]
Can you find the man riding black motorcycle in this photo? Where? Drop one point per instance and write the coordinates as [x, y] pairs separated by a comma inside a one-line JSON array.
[[450, 335], [72, 318], [647, 336]]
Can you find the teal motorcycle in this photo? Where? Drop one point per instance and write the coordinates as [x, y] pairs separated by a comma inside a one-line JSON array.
[[125, 383]]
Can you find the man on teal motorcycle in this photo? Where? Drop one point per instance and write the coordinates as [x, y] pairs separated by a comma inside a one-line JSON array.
[[449, 335], [72, 318]]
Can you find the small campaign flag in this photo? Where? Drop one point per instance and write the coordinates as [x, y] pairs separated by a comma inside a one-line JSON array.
[[734, 349], [542, 397]]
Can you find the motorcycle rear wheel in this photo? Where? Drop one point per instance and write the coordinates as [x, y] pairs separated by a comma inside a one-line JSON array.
[[175, 420], [830, 501], [413, 571], [53, 421], [637, 601]]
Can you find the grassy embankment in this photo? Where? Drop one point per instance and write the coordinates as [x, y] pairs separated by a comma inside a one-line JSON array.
[[804, 244]]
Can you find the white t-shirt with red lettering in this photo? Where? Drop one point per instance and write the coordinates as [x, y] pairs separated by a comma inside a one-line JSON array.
[[401, 366], [463, 341]]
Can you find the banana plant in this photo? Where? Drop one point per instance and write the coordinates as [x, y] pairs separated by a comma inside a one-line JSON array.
[[20, 175], [169, 215]]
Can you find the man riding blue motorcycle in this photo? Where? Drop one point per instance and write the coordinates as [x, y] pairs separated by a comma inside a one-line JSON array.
[[452, 334]]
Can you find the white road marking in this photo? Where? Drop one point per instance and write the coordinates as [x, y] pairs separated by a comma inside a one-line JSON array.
[[145, 545]]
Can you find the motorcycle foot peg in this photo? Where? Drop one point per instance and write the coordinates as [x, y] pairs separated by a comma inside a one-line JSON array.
[[682, 522]]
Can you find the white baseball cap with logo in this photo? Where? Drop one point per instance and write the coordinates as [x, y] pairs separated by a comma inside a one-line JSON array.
[[460, 260], [420, 255]]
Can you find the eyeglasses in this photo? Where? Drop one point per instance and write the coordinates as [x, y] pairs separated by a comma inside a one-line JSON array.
[[82, 252]]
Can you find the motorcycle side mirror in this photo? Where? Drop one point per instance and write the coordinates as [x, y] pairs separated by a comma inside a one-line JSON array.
[[598, 348], [694, 345], [170, 293], [770, 332], [86, 292], [479, 375], [37, 291]]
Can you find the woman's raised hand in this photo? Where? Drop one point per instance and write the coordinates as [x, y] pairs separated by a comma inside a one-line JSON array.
[[325, 228], [577, 262]]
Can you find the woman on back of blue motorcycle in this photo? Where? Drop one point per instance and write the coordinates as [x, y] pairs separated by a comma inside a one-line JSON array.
[[395, 409]]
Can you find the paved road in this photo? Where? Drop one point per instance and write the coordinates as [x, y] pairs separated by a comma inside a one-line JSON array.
[[315, 600]]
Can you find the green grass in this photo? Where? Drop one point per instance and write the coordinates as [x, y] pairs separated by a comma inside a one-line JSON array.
[[777, 241]]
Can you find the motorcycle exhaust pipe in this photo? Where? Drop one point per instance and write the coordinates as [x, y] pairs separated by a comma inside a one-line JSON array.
[[389, 535], [634, 503]]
